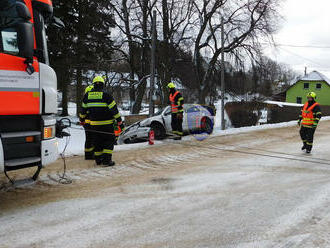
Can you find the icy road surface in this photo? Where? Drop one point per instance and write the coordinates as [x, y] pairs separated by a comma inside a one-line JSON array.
[[253, 189]]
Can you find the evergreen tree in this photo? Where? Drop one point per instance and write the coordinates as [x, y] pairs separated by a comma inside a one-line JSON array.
[[84, 43]]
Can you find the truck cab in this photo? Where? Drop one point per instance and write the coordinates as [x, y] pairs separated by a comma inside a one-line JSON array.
[[28, 87]]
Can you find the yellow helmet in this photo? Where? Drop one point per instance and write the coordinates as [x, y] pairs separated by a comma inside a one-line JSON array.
[[311, 94], [171, 86], [89, 88], [98, 79]]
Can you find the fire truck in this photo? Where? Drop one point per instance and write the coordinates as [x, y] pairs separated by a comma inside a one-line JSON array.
[[28, 87]]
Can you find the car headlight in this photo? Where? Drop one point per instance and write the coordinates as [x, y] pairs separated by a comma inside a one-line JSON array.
[[49, 132]]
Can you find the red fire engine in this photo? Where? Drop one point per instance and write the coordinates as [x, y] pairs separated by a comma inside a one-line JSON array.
[[28, 87]]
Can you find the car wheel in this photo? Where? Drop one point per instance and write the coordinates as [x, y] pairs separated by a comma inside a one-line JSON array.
[[159, 130], [206, 125]]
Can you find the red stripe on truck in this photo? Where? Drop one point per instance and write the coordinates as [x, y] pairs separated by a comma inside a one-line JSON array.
[[49, 2], [19, 103], [14, 63]]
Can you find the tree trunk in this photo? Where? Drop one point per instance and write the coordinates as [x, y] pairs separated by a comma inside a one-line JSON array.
[[167, 65], [144, 60], [79, 90]]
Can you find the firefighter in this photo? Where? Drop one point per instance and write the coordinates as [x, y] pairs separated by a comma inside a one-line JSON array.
[[177, 102], [103, 113], [308, 121], [85, 122]]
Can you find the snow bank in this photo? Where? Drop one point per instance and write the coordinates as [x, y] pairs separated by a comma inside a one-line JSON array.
[[281, 104], [76, 141]]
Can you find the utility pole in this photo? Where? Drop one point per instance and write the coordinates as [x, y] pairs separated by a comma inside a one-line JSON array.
[[223, 126], [152, 69]]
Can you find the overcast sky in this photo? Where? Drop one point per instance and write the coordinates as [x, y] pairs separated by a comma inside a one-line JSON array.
[[306, 23]]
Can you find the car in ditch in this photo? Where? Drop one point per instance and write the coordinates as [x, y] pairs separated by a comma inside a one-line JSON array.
[[197, 119]]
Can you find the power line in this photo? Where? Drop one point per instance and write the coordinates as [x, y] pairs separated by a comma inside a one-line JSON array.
[[298, 46], [302, 57]]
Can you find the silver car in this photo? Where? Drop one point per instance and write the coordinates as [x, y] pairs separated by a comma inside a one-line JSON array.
[[196, 119]]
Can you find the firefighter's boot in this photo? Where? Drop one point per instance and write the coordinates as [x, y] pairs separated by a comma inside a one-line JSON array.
[[304, 146], [107, 161], [89, 156], [99, 160]]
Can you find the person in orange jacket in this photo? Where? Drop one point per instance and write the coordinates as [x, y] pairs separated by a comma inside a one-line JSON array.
[[177, 102], [308, 121]]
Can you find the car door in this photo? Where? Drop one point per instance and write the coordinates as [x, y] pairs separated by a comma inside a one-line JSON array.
[[193, 118], [167, 119]]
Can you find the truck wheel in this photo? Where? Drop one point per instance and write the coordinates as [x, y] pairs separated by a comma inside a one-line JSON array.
[[159, 130], [206, 125]]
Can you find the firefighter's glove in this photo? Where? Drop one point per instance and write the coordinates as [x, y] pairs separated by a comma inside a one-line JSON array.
[[82, 123], [121, 125], [180, 116]]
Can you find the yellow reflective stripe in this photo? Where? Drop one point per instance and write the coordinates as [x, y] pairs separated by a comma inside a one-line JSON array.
[[309, 143], [96, 104], [107, 151], [116, 116], [89, 149], [308, 126], [82, 116], [111, 105], [180, 99], [98, 153], [87, 121], [84, 105], [318, 113], [99, 123]]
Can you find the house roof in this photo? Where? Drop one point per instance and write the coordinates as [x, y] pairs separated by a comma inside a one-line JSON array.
[[312, 76]]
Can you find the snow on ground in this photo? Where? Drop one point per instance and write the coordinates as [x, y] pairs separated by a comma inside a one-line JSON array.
[[220, 199], [281, 104]]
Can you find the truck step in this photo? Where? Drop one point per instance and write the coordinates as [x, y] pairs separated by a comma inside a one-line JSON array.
[[21, 161], [19, 134]]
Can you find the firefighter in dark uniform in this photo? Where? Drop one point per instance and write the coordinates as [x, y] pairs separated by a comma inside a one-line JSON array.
[[85, 122], [103, 113], [308, 121], [177, 102]]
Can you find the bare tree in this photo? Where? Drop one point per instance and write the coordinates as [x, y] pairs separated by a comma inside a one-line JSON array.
[[246, 21]]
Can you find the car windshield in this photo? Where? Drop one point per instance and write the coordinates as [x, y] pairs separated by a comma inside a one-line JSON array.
[[159, 112]]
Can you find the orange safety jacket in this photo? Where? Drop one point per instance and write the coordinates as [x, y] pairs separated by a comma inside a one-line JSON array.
[[175, 105], [308, 118]]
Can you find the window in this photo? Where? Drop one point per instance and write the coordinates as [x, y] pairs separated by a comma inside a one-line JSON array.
[[9, 41], [193, 109], [306, 85], [299, 99], [318, 86]]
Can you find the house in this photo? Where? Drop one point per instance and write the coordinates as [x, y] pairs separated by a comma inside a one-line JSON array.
[[314, 81]]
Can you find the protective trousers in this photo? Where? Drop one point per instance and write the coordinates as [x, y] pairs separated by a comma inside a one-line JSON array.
[[89, 147], [104, 140], [307, 136], [176, 124]]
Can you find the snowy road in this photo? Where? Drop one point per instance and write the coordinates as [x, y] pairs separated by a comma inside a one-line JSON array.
[[251, 189]]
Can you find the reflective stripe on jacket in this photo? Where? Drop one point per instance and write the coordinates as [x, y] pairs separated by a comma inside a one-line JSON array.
[[307, 114], [175, 105], [100, 108]]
